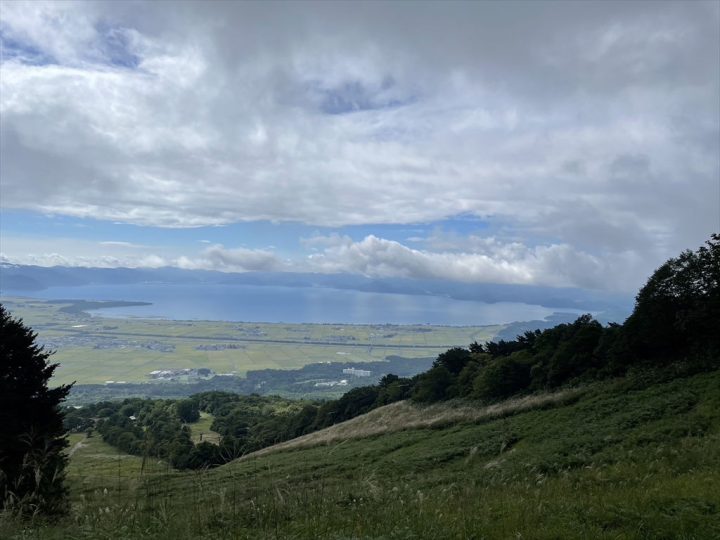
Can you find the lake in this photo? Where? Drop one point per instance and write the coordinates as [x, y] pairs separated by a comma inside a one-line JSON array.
[[253, 303]]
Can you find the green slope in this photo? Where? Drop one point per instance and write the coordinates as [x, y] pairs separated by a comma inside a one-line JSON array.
[[621, 459]]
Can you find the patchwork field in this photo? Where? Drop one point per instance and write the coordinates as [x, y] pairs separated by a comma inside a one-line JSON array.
[[95, 350]]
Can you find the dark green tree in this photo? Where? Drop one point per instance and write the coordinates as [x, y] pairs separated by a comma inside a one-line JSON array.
[[504, 377], [677, 311], [32, 438], [433, 385], [188, 410], [453, 359]]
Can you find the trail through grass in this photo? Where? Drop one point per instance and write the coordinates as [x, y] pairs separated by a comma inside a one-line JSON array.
[[201, 431]]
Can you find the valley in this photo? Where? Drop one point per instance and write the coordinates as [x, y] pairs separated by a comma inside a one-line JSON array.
[[93, 350]]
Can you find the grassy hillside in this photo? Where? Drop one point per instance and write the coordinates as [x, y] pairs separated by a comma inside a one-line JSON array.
[[626, 458], [405, 415]]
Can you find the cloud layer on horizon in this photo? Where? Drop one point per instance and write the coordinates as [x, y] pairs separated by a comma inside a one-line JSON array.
[[591, 144], [490, 261]]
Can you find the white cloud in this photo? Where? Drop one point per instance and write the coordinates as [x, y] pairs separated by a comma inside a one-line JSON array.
[[219, 258], [480, 260], [493, 262], [72, 252], [595, 135], [89, 261]]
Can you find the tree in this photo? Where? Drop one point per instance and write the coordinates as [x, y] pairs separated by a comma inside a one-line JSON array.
[[433, 385], [453, 359], [677, 310], [32, 435], [188, 411], [574, 354], [504, 377]]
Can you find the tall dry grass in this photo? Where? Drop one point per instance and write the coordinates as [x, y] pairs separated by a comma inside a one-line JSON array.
[[408, 415]]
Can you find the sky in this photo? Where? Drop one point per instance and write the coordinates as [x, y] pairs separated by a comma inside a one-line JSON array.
[[550, 143]]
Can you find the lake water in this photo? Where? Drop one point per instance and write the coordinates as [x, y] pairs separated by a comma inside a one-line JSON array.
[[254, 303]]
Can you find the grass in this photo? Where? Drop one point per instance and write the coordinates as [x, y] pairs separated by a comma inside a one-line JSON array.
[[618, 461], [75, 337], [405, 415], [96, 467], [200, 430]]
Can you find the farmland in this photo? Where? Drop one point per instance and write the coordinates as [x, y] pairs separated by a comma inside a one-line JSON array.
[[95, 350]]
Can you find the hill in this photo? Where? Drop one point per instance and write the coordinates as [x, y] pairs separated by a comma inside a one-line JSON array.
[[405, 415], [624, 458]]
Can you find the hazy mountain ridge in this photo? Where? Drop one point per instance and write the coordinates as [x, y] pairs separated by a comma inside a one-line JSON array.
[[20, 278]]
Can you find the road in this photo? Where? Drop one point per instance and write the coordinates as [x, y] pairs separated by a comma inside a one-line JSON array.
[[251, 340]]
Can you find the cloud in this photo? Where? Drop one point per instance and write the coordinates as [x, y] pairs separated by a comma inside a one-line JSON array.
[[472, 259], [219, 258], [110, 254], [88, 261], [596, 134], [492, 262]]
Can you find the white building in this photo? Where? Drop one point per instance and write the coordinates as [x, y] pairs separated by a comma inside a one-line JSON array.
[[357, 372]]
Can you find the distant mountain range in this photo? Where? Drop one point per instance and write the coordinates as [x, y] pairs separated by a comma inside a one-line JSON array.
[[20, 279]]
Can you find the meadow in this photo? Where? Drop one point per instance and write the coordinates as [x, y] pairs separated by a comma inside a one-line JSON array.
[[93, 350], [201, 431], [628, 458]]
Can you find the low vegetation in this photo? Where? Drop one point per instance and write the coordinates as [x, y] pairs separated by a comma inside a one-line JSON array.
[[628, 458]]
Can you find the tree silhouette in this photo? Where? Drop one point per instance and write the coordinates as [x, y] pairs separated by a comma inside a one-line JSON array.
[[32, 435], [677, 311]]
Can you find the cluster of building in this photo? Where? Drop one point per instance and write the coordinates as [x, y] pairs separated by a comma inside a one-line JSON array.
[[186, 374], [357, 372], [343, 382]]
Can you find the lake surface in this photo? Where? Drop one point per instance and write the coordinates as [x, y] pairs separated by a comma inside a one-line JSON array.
[[252, 303]]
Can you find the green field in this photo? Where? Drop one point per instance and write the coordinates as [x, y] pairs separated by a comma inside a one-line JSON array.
[[96, 468], [201, 430], [93, 350], [622, 459]]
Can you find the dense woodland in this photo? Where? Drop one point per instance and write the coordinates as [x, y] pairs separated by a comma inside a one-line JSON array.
[[672, 331]]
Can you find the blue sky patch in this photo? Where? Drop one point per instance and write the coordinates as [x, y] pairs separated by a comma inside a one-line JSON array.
[[286, 238], [13, 49], [115, 46], [354, 96]]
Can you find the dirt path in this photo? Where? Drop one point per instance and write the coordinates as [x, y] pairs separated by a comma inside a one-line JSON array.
[[77, 446]]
